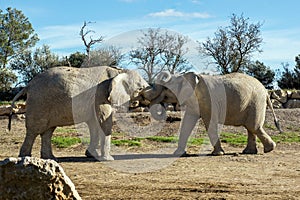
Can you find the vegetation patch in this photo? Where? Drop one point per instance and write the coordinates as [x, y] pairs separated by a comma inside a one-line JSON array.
[[4, 103], [233, 138], [270, 126], [236, 139], [66, 130], [64, 141], [287, 137], [163, 139], [197, 141], [132, 142]]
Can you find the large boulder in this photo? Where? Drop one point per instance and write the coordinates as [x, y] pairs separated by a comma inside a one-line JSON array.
[[295, 94], [19, 109], [34, 178], [276, 103], [280, 95], [292, 103], [5, 110]]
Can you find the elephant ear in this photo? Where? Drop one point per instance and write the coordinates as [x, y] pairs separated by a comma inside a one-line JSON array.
[[187, 87], [118, 94], [192, 79]]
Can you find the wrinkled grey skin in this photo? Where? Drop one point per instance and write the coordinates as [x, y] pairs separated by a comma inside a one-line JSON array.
[[235, 99], [64, 96]]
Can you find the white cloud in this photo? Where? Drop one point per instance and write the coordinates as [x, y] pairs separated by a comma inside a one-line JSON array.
[[174, 13]]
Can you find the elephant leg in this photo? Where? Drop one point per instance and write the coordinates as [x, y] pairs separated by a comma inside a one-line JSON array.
[[266, 140], [188, 123], [105, 138], [46, 148], [251, 144], [27, 144], [213, 134], [92, 150], [105, 147]]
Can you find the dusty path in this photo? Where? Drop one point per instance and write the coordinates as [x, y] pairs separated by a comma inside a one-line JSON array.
[[265, 176], [275, 175]]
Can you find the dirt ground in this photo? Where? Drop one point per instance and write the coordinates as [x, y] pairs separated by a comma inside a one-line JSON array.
[[151, 172]]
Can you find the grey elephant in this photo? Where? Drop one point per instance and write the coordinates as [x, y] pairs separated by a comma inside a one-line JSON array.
[[64, 96], [234, 99]]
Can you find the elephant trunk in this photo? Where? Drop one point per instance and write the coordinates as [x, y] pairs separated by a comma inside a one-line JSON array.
[[164, 77], [146, 96], [152, 92]]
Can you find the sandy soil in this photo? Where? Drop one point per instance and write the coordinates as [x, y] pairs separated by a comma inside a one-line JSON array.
[[151, 172]]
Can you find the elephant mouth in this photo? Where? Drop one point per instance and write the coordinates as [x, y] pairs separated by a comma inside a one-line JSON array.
[[138, 99]]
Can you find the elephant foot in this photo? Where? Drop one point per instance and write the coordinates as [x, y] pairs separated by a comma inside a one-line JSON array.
[[97, 156], [179, 152], [48, 156], [270, 147], [218, 152], [249, 150], [88, 154], [93, 154], [24, 155], [106, 158]]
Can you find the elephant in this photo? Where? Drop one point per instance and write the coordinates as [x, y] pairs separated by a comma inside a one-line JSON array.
[[233, 99], [64, 96]]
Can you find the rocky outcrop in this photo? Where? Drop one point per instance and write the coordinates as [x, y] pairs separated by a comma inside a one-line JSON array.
[[19, 109], [285, 98], [5, 110], [292, 103], [34, 178]]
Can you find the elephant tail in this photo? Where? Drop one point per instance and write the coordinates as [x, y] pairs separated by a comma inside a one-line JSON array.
[[276, 121], [21, 93]]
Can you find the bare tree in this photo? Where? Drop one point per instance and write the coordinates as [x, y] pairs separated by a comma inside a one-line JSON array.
[[173, 55], [88, 44], [108, 56], [159, 51], [233, 46]]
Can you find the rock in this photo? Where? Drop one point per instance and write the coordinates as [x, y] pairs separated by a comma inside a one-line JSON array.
[[34, 178], [19, 109], [295, 94], [5, 110], [138, 109], [280, 95], [276, 104], [292, 103]]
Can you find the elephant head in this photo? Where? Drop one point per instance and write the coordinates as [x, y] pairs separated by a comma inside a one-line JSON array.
[[169, 89], [124, 87]]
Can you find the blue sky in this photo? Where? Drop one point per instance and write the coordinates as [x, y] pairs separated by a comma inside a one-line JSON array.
[[57, 22]]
